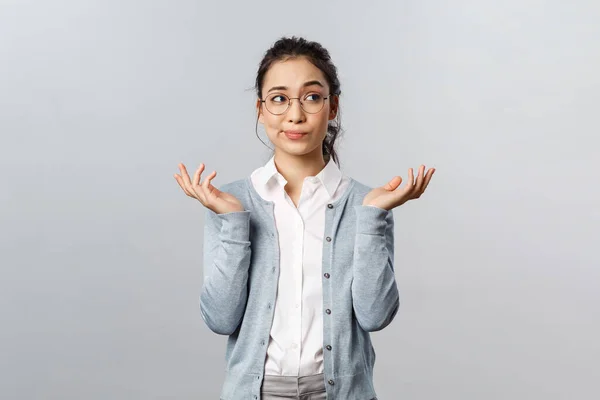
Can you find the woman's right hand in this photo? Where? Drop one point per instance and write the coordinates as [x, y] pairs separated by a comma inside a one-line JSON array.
[[211, 197]]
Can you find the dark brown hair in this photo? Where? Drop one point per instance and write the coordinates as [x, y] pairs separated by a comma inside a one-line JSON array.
[[294, 47]]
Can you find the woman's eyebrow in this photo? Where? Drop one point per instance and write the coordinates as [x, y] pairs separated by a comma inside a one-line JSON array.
[[309, 83]]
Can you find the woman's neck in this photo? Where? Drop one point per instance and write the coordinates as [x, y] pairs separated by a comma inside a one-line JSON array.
[[295, 168]]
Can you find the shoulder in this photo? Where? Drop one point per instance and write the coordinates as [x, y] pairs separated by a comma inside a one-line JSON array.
[[238, 187], [358, 190], [359, 186]]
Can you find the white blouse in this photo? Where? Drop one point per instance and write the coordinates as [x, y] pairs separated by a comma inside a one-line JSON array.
[[296, 339]]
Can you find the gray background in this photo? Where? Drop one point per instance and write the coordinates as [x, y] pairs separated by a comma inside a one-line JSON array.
[[497, 263]]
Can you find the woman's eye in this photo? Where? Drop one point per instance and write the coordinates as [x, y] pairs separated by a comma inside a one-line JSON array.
[[313, 97], [278, 99]]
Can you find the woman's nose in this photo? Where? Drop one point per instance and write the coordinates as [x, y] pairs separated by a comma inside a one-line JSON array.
[[295, 113]]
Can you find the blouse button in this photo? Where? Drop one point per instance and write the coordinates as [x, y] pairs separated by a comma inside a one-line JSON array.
[[329, 205], [328, 239], [328, 311], [326, 275], [330, 381], [328, 347]]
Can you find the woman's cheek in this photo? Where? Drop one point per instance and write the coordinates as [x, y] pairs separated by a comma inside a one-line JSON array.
[[272, 131]]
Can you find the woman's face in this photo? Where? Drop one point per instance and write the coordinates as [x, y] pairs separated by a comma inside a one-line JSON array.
[[296, 77]]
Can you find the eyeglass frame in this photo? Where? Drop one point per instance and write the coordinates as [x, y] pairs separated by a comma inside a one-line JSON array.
[[301, 106]]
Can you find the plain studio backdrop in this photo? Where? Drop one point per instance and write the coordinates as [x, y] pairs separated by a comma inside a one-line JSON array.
[[497, 264]]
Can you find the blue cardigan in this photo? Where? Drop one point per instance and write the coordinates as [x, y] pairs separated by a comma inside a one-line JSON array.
[[360, 294]]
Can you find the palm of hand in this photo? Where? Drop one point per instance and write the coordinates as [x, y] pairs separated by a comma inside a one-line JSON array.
[[218, 201], [388, 196]]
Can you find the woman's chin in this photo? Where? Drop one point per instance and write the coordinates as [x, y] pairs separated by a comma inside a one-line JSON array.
[[297, 149]]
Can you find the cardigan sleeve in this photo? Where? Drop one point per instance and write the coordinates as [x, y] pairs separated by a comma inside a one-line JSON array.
[[226, 262], [375, 296]]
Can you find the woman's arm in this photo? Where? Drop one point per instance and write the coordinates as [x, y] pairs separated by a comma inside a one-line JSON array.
[[375, 296], [226, 262], [374, 291]]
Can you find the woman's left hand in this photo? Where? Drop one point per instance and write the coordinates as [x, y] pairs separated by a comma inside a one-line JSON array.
[[387, 197]]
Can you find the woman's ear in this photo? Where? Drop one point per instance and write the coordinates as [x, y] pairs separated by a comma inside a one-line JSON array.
[[259, 111], [334, 106]]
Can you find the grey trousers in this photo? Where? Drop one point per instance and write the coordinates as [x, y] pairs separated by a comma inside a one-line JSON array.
[[275, 387]]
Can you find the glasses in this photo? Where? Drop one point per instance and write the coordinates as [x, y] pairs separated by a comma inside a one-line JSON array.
[[278, 104]]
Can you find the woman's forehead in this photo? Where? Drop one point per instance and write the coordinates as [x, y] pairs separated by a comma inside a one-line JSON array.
[[293, 73]]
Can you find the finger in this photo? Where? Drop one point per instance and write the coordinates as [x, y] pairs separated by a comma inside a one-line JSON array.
[[187, 182], [420, 179], [198, 175], [184, 175], [393, 184], [206, 185], [410, 183], [428, 177], [208, 182], [182, 185]]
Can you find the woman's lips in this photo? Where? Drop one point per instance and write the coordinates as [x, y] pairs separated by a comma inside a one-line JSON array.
[[294, 135]]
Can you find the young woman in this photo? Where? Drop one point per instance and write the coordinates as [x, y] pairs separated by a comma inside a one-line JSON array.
[[299, 257]]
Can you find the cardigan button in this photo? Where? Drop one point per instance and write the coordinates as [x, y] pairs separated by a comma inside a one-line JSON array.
[[328, 347], [326, 275], [328, 239], [329, 205], [328, 311], [330, 381]]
